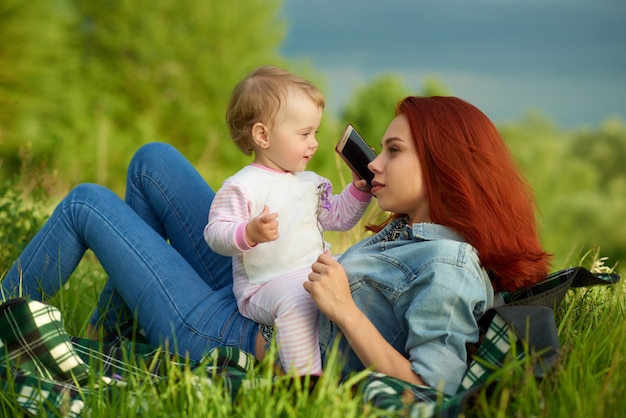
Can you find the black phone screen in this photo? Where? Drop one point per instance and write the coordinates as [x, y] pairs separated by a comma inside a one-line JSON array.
[[359, 154]]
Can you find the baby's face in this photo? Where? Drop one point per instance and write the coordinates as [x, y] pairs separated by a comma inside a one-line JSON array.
[[292, 141]]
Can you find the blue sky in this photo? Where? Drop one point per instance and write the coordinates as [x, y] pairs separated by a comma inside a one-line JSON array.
[[563, 58]]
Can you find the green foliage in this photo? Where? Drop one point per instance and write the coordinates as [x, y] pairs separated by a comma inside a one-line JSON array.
[[600, 207], [83, 84], [592, 363], [31, 41], [577, 178], [126, 73], [372, 107], [604, 150], [434, 87], [19, 222], [167, 68]]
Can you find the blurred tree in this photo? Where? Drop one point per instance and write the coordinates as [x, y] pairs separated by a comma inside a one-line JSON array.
[[32, 35], [164, 69], [604, 149], [372, 107], [601, 211], [577, 199], [434, 87], [140, 71]]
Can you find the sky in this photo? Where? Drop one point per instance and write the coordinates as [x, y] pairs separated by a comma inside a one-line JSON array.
[[563, 58]]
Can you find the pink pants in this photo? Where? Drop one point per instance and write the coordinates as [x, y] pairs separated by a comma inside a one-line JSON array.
[[284, 303]]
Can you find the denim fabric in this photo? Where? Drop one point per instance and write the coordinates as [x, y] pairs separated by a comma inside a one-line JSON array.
[[424, 292], [154, 253]]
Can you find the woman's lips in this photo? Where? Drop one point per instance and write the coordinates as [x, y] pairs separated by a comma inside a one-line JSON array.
[[376, 186]]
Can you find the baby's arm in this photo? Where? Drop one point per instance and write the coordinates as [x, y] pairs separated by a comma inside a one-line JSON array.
[[342, 211], [228, 216], [228, 231]]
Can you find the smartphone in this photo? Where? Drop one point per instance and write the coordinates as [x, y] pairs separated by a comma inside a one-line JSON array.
[[356, 153]]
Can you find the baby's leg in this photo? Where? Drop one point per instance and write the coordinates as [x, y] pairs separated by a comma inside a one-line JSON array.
[[286, 304]]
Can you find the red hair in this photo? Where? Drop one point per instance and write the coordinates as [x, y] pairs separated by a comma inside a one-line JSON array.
[[475, 188]]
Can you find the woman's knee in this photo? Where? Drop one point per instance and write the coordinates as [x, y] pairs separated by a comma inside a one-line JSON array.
[[150, 155], [87, 192], [88, 198]]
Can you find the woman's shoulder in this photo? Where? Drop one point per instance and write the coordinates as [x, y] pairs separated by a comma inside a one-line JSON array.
[[459, 255], [441, 248], [447, 259], [458, 251]]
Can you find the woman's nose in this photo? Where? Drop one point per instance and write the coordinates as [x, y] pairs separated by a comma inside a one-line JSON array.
[[374, 165]]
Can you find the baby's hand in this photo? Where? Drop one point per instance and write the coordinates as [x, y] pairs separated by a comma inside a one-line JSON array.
[[263, 228], [359, 183]]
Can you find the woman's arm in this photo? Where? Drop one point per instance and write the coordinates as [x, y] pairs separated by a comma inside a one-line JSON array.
[[329, 288]]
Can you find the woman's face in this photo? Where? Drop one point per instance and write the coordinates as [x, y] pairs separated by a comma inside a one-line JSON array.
[[398, 182]]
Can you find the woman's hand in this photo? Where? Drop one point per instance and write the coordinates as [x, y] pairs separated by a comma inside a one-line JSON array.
[[329, 288]]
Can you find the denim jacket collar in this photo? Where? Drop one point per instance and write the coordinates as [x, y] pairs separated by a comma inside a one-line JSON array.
[[430, 231], [423, 231]]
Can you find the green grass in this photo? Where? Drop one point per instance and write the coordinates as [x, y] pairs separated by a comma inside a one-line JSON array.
[[587, 381]]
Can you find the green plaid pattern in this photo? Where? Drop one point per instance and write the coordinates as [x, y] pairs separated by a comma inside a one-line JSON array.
[[391, 394], [491, 354], [230, 357], [37, 395], [37, 359], [233, 367], [44, 385], [117, 361], [34, 340], [48, 370]]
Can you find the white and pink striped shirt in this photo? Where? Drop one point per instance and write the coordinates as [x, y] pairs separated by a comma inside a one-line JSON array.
[[267, 278], [296, 199]]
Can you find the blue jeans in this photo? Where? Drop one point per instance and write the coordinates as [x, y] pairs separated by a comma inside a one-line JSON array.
[[159, 267]]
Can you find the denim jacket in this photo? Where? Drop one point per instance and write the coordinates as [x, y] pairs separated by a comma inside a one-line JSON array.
[[424, 289]]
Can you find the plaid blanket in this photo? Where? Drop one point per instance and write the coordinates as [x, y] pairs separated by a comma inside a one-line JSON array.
[[49, 371], [37, 358]]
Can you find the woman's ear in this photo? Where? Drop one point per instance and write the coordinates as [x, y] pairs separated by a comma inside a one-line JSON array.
[[261, 135]]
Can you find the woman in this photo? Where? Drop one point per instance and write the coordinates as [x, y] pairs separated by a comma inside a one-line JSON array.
[[412, 294], [407, 299]]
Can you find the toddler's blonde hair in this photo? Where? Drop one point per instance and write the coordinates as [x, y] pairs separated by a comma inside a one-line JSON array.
[[258, 98]]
